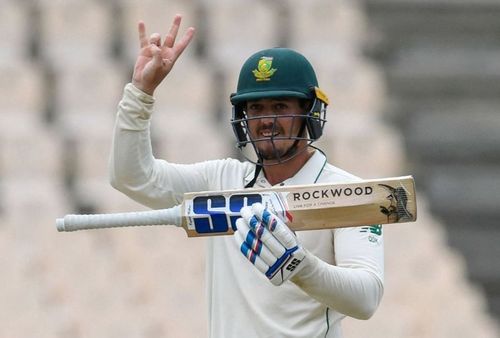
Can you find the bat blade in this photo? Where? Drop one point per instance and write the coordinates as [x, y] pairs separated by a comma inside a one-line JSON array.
[[306, 207]]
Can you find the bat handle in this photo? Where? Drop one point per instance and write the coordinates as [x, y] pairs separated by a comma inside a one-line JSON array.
[[171, 216]]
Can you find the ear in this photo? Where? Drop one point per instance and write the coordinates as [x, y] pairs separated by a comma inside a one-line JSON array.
[[239, 125], [316, 120]]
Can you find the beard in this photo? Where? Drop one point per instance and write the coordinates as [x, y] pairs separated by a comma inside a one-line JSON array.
[[268, 147], [273, 144], [276, 150]]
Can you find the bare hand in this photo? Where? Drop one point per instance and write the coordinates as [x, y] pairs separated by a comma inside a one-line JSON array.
[[155, 59]]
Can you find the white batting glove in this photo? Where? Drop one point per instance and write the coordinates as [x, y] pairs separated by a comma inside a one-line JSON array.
[[269, 244]]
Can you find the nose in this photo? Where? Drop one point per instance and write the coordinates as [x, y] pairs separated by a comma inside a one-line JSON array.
[[266, 111], [268, 122], [268, 115]]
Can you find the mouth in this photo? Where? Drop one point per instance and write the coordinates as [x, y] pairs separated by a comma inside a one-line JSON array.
[[269, 133]]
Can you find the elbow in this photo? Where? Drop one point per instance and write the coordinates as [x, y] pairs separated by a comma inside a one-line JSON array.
[[119, 183], [112, 175], [123, 186], [119, 178], [365, 312], [114, 182], [367, 309]]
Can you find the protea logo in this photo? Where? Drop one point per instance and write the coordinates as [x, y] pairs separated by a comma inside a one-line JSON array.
[[264, 69]]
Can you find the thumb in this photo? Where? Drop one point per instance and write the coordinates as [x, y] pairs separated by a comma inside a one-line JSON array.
[[157, 59]]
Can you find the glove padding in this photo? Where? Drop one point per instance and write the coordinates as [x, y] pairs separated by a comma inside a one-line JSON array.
[[269, 244]]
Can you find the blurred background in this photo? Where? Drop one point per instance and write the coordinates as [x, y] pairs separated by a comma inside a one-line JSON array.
[[414, 89]]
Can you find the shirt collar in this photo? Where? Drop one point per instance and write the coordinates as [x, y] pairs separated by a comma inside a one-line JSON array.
[[308, 174], [311, 170]]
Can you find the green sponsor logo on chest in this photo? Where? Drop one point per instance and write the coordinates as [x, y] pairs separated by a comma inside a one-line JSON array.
[[374, 229]]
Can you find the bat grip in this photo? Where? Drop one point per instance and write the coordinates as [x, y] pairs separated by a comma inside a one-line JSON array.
[[171, 216]]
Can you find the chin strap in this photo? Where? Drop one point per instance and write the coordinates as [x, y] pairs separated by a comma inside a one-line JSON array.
[[258, 168], [293, 148]]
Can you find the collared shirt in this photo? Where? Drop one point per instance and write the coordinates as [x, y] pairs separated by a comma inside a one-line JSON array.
[[310, 172], [344, 271]]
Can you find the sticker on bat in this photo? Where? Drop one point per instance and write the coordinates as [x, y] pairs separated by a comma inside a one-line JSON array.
[[397, 211]]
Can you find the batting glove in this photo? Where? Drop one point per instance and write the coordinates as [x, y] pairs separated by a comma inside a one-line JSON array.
[[269, 244]]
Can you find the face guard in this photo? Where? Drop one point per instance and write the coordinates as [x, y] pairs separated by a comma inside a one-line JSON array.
[[278, 73], [310, 124]]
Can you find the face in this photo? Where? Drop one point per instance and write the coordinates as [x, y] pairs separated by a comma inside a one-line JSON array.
[[271, 122]]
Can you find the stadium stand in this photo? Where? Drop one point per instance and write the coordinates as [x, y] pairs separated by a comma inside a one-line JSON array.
[[62, 71], [72, 32], [441, 62], [21, 94]]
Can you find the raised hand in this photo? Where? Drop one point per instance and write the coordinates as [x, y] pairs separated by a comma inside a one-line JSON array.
[[156, 59]]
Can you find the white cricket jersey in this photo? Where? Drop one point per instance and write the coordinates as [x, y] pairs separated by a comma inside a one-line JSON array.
[[344, 276]]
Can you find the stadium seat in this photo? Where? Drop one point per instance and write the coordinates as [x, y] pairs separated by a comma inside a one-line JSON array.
[[21, 93], [237, 29], [351, 83], [189, 137], [92, 88], [33, 203], [14, 25], [188, 87], [353, 137], [323, 24], [73, 32], [30, 153]]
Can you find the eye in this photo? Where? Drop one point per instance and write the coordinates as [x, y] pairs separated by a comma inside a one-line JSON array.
[[253, 108], [280, 106]]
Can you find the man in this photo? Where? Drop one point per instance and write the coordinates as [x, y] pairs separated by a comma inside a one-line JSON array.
[[301, 285]]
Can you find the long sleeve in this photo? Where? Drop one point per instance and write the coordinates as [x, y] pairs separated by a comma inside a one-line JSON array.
[[354, 286], [133, 168]]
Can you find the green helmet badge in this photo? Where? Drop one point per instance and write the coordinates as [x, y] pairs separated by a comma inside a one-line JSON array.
[[264, 69]]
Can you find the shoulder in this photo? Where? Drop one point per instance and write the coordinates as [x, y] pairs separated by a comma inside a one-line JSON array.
[[228, 173], [231, 164], [225, 164]]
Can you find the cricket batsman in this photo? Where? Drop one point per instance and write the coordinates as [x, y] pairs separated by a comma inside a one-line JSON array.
[[265, 280]]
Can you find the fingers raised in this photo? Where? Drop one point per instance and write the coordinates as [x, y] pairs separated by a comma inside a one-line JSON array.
[[172, 34], [143, 40], [178, 47], [169, 42], [184, 42]]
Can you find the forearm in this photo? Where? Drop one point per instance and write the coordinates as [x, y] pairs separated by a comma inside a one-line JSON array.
[[131, 161], [133, 168], [355, 292], [131, 155]]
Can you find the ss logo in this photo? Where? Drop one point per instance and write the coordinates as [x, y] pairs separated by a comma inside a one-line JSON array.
[[217, 212]]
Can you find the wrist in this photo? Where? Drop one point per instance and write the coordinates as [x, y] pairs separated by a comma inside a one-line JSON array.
[[140, 94], [308, 265], [142, 88]]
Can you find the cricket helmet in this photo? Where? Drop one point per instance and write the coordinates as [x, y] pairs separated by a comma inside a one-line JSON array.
[[277, 73]]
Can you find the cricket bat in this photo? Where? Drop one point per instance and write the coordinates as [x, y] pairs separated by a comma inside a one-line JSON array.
[[303, 207]]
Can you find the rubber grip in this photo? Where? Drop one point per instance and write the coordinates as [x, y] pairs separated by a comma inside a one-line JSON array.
[[171, 216]]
